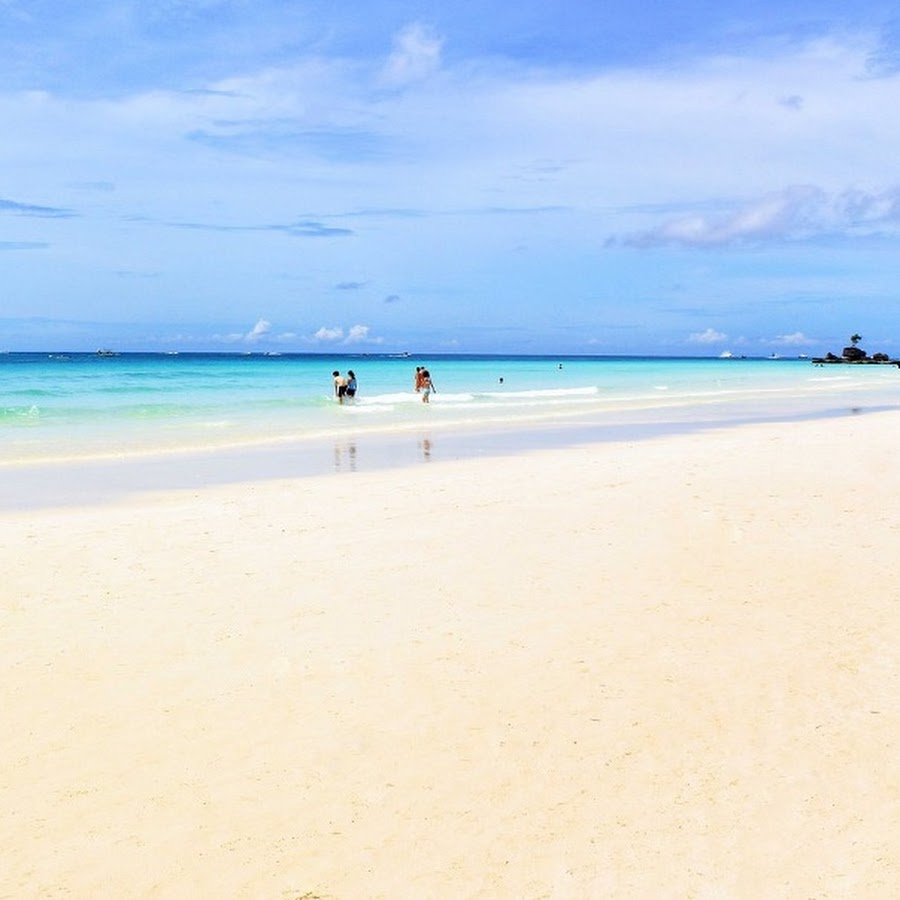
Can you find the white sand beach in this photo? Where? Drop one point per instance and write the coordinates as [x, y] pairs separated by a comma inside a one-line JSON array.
[[663, 669]]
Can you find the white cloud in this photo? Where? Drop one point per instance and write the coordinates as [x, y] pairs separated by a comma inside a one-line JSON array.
[[416, 54], [710, 336], [260, 330], [799, 212], [797, 339], [329, 334], [358, 334], [792, 212]]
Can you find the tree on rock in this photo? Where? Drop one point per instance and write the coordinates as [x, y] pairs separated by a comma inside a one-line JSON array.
[[853, 352]]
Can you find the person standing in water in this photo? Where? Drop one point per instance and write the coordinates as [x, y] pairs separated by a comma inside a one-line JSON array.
[[351, 384], [340, 386], [427, 387]]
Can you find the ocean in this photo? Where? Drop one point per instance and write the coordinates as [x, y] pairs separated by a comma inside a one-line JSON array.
[[88, 408]]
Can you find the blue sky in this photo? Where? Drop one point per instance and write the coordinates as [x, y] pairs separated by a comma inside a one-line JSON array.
[[569, 177]]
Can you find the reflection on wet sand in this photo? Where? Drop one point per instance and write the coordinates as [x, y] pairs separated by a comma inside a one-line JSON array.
[[345, 457]]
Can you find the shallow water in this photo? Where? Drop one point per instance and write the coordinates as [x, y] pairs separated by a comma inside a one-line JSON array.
[[71, 406]]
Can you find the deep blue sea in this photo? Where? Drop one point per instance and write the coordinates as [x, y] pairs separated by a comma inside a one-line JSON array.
[[64, 406]]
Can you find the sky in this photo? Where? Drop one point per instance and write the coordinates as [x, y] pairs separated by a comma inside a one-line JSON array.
[[579, 176]]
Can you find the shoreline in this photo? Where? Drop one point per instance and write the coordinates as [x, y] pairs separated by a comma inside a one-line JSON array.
[[86, 481]]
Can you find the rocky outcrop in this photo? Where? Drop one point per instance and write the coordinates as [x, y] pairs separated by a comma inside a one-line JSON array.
[[855, 356]]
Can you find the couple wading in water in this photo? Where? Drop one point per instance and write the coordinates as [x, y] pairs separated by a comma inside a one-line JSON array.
[[344, 387]]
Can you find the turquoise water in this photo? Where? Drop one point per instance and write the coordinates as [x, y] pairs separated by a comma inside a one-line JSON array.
[[82, 406]]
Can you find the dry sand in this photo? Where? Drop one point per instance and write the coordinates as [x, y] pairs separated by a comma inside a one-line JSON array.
[[665, 669]]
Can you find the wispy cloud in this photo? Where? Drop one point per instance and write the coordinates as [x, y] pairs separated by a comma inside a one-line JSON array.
[[314, 229], [387, 213], [794, 102], [359, 334], [709, 336], [522, 210], [355, 334], [31, 209], [132, 273], [795, 339], [327, 334], [23, 245], [416, 55], [295, 229], [798, 213], [260, 330], [884, 59], [286, 137]]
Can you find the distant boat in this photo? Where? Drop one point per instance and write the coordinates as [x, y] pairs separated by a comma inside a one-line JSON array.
[[726, 354], [104, 352]]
